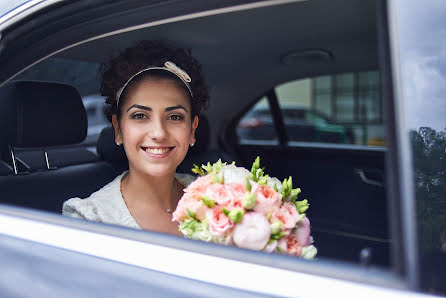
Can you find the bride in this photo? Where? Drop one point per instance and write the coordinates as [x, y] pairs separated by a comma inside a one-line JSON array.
[[154, 94]]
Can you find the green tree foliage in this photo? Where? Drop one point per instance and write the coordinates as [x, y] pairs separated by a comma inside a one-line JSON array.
[[429, 157]]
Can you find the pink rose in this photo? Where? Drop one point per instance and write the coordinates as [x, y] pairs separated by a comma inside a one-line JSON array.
[[287, 214], [290, 245], [199, 185], [302, 232], [217, 192], [235, 193], [236, 190], [268, 200], [219, 223], [191, 201], [253, 232]]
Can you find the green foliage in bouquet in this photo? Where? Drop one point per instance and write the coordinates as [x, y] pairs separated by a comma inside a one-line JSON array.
[[195, 229], [258, 175], [213, 170]]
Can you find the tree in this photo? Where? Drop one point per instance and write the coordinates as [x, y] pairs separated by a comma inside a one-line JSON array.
[[429, 157]]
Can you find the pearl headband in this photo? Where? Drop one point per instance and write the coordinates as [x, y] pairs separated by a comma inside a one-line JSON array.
[[168, 66]]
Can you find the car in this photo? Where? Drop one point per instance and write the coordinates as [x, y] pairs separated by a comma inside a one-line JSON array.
[[301, 124], [373, 68], [97, 121]]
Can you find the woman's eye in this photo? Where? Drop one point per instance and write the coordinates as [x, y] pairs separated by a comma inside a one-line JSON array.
[[176, 117], [138, 116]]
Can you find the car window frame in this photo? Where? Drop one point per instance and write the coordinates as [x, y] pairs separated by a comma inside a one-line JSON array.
[[398, 160]]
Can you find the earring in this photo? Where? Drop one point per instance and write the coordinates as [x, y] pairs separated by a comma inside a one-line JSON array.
[[192, 144], [118, 143]]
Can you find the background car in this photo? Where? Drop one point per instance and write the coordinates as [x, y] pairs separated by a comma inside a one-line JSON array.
[[377, 212], [301, 124], [97, 121]]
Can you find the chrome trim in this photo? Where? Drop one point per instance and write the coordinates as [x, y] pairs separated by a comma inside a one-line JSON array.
[[13, 160], [47, 161], [336, 146], [408, 214], [162, 22], [205, 268], [24, 10], [293, 144]]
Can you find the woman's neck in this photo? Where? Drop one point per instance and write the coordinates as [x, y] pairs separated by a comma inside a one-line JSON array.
[[158, 191]]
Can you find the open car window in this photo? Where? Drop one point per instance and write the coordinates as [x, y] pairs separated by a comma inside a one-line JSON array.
[[338, 109]]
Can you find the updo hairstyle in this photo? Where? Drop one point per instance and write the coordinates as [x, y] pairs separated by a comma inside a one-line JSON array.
[[118, 70]]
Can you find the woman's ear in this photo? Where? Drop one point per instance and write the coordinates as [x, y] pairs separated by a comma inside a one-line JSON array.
[[194, 127], [115, 122]]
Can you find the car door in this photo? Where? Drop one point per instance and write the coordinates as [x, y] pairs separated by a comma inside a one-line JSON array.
[[342, 177]]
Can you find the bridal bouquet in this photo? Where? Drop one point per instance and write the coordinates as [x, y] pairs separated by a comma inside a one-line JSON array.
[[234, 206]]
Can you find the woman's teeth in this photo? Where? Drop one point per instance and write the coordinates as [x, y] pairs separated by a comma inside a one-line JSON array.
[[157, 151]]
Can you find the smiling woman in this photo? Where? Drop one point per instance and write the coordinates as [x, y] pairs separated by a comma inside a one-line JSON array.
[[154, 106]]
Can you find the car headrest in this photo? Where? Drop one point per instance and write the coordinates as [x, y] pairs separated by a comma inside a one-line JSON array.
[[202, 136], [109, 151], [107, 148], [40, 114]]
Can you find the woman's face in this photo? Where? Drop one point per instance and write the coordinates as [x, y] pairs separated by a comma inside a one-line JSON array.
[[155, 127]]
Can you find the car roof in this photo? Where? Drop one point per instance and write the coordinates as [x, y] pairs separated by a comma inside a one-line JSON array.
[[231, 50]]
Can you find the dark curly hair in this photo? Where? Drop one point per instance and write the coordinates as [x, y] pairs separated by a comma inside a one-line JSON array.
[[116, 72]]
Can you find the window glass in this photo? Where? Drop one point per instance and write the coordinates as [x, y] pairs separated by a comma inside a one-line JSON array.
[[342, 108], [422, 31], [257, 124], [83, 76]]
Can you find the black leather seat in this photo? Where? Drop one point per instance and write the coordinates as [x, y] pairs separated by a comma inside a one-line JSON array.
[[45, 116]]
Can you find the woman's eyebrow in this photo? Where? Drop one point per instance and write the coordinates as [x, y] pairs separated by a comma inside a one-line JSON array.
[[139, 107], [168, 109]]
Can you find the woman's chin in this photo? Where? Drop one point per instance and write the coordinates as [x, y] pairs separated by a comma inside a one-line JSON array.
[[156, 169]]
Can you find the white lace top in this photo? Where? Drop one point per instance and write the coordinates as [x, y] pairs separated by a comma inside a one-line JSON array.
[[107, 204]]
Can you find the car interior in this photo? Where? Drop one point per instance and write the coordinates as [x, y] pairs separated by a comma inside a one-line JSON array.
[[245, 56]]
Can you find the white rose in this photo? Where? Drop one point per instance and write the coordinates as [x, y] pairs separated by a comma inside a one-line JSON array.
[[271, 246], [274, 180], [225, 239], [253, 232], [233, 174], [308, 252], [201, 233]]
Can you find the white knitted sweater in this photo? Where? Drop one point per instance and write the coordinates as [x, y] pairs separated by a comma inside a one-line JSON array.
[[107, 204]]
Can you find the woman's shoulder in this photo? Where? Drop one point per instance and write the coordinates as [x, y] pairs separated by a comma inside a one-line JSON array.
[[185, 179], [93, 207]]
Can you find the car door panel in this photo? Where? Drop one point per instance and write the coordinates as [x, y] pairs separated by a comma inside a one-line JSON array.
[[344, 187]]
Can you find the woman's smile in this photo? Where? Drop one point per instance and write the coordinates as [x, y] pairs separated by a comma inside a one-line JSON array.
[[157, 152]]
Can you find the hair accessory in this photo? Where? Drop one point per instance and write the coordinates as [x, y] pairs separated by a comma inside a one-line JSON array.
[[168, 66]]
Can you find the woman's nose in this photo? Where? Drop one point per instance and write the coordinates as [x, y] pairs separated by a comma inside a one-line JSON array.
[[157, 131]]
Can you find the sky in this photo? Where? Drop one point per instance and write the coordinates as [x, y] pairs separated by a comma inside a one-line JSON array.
[[422, 39], [7, 5]]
